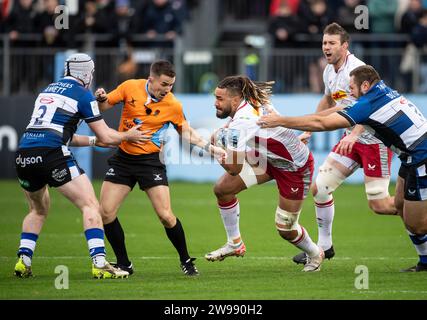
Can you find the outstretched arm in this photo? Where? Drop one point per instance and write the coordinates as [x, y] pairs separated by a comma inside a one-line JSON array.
[[193, 137], [312, 122]]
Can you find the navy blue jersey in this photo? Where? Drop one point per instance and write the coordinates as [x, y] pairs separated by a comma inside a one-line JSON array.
[[394, 120], [58, 110]]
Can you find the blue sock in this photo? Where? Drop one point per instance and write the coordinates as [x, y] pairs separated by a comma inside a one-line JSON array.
[[27, 244], [420, 244], [95, 241]]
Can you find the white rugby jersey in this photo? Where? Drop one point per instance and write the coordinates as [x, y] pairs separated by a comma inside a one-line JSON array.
[[280, 146], [337, 85]]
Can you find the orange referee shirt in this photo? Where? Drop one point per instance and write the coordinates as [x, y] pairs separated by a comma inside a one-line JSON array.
[[133, 93]]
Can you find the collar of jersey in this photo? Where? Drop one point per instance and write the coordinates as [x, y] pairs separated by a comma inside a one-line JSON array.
[[241, 106], [69, 78], [149, 97]]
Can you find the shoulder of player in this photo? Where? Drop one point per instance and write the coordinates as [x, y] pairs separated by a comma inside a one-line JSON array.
[[132, 83], [354, 62], [172, 100]]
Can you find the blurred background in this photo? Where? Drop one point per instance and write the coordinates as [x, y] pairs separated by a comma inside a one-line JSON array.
[[207, 40]]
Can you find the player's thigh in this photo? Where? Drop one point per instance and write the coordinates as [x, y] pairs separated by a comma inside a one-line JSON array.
[[160, 199], [415, 216], [38, 201], [80, 192], [290, 205], [399, 194], [376, 188], [229, 185], [112, 196]]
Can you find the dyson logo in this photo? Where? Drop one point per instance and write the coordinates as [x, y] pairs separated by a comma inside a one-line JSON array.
[[24, 161]]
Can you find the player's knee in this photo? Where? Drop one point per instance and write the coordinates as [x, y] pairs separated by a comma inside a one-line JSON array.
[[328, 179], [419, 227], [222, 192], [398, 203], [287, 224], [168, 220]]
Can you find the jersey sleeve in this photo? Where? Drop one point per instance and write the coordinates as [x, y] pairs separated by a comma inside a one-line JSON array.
[[88, 108], [178, 119], [325, 81], [240, 131], [357, 113], [118, 94]]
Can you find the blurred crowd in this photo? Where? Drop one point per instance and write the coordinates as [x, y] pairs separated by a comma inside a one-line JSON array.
[[116, 19], [128, 24]]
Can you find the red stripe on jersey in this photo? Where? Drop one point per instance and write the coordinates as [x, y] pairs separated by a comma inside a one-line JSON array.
[[276, 147]]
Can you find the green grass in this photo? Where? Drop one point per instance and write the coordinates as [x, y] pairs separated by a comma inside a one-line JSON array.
[[266, 272]]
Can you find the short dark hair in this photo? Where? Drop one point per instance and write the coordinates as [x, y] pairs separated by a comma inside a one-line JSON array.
[[335, 29], [161, 67], [365, 73]]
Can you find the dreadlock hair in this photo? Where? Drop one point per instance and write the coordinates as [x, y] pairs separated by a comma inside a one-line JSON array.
[[256, 93]]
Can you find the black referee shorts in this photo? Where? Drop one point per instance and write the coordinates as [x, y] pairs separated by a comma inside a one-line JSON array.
[[127, 169]]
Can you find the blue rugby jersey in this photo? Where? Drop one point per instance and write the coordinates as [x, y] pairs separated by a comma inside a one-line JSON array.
[[58, 110], [394, 120]]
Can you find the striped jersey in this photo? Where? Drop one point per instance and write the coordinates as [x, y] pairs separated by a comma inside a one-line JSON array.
[[58, 110], [394, 120], [337, 85], [280, 146]]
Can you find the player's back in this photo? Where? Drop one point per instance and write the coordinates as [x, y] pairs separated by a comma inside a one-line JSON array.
[[58, 110]]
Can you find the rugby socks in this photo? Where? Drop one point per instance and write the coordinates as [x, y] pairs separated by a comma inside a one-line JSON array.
[[116, 237], [304, 243], [27, 246], [230, 214], [176, 235], [325, 216], [95, 241], [420, 244]]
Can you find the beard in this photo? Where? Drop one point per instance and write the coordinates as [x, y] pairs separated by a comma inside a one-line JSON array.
[[222, 114]]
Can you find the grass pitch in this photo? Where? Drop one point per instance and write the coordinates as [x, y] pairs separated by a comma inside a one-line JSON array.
[[266, 272]]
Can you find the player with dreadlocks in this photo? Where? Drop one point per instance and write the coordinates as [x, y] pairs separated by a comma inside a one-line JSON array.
[[255, 156]]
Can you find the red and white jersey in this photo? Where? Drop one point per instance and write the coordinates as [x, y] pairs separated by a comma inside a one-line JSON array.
[[279, 146], [337, 85]]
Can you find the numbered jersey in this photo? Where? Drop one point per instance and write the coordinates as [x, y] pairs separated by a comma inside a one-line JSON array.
[[58, 111], [394, 120], [337, 85], [279, 146]]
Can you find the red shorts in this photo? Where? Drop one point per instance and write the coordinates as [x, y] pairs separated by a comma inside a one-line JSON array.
[[293, 185], [375, 159]]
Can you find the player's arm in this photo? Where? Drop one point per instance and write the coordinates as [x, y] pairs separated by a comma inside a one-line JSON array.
[[325, 105], [82, 141], [108, 136], [102, 99], [193, 137], [312, 122], [233, 164], [88, 141]]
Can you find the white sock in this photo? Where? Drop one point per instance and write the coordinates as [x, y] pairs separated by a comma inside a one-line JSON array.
[[27, 260], [99, 260], [304, 242], [230, 214], [325, 216]]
